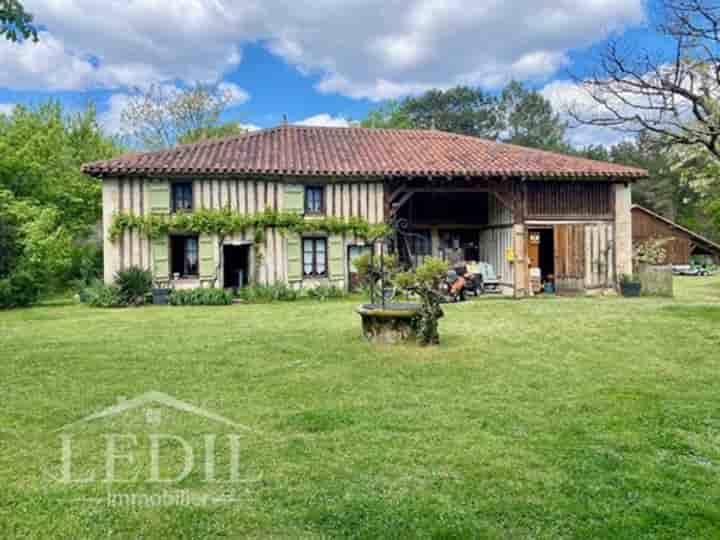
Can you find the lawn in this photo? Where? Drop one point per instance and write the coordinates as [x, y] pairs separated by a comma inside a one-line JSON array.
[[546, 418]]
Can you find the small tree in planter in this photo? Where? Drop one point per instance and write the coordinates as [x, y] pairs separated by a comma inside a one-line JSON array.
[[425, 282]]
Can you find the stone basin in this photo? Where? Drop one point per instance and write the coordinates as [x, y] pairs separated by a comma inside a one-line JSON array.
[[389, 324]]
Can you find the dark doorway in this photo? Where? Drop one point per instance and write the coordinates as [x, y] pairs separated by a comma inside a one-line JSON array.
[[541, 251], [236, 261]]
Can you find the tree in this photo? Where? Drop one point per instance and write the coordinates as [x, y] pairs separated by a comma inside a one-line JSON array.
[[530, 120], [670, 95], [390, 115], [48, 208], [161, 116], [212, 132], [15, 22], [463, 110]]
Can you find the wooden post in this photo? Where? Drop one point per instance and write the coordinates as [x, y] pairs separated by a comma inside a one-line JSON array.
[[522, 273]]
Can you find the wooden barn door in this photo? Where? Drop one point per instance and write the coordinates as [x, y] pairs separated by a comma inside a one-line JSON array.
[[569, 258]]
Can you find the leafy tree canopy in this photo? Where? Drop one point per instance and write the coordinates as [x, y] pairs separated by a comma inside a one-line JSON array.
[[15, 22], [518, 115], [47, 206]]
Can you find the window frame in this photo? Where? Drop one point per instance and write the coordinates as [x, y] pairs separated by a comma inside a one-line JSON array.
[[314, 257], [306, 200], [174, 188]]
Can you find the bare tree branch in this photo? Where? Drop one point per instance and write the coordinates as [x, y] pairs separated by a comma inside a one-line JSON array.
[[674, 96]]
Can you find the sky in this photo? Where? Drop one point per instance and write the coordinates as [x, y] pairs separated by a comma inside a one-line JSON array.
[[320, 62]]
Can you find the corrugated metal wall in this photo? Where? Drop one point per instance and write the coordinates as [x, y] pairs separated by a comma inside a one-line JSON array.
[[496, 240]]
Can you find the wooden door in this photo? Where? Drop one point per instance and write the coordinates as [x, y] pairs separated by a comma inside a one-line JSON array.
[[569, 257]]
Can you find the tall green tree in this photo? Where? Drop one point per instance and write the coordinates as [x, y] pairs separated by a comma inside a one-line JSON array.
[[464, 110], [15, 22], [530, 120], [389, 115], [47, 206]]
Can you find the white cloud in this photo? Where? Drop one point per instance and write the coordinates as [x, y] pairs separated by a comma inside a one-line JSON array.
[[325, 120], [111, 119], [250, 127], [361, 48], [7, 108], [568, 96]]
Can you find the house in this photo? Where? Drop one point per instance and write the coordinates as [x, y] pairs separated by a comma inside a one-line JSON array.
[[683, 244], [462, 197]]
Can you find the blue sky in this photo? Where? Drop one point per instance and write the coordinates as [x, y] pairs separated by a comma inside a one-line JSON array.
[[323, 62]]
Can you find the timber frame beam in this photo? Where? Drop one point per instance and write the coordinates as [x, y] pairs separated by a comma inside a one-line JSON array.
[[399, 193]]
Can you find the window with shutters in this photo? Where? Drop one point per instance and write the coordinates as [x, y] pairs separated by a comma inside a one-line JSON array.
[[314, 200], [182, 197], [315, 257], [184, 253]]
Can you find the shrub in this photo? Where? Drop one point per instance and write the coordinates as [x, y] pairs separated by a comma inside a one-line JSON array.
[[279, 292], [20, 289], [86, 265], [97, 294], [324, 292], [135, 284], [201, 297]]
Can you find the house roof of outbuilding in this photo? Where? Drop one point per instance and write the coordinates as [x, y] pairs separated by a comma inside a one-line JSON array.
[[305, 151]]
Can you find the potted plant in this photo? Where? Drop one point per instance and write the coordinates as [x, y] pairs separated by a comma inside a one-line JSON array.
[[630, 285], [161, 295]]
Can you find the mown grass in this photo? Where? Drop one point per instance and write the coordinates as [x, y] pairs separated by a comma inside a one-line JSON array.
[[546, 418]]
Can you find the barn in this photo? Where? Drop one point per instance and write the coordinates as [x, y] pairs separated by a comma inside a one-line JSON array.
[[683, 246]]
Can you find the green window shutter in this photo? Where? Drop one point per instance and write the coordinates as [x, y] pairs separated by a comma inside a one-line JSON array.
[[294, 258], [336, 248], [160, 197], [161, 258], [294, 198], [208, 267]]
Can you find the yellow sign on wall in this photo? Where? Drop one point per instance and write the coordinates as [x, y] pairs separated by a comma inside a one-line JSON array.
[[510, 254]]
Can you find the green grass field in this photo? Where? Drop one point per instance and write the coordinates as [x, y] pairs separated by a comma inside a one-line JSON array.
[[547, 418]]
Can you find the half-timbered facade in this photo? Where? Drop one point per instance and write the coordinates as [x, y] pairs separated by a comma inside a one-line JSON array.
[[465, 199]]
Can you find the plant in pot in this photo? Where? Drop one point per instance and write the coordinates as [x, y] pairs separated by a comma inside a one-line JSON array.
[[630, 285]]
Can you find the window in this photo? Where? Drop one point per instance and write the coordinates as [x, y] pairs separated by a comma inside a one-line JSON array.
[[315, 257], [182, 197], [184, 253], [314, 200]]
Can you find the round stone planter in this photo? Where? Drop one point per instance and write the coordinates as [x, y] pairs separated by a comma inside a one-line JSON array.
[[393, 323]]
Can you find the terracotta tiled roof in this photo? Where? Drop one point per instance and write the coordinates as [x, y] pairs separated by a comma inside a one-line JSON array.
[[318, 151]]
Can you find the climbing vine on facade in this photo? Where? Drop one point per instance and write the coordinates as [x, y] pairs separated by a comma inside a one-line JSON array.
[[226, 222]]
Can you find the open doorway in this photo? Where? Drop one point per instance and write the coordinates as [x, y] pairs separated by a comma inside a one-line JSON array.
[[541, 252], [236, 262]]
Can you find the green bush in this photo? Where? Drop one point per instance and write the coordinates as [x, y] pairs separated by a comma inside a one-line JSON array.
[[324, 292], [97, 294], [86, 265], [19, 289], [260, 294], [201, 297], [135, 284]]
